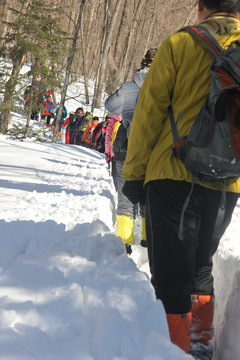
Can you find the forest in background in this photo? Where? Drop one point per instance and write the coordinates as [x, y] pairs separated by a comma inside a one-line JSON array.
[[112, 36], [140, 24]]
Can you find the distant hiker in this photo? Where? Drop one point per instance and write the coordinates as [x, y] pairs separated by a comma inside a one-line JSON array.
[[35, 101], [181, 267], [80, 117], [88, 133], [47, 107], [70, 123], [64, 117], [81, 126], [99, 134], [110, 137]]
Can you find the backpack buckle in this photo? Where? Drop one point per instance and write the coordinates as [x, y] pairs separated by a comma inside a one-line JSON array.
[[174, 152]]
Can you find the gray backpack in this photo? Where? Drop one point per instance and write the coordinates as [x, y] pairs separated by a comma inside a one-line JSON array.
[[211, 150]]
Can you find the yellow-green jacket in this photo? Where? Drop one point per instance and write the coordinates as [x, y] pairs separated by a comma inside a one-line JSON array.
[[179, 71]]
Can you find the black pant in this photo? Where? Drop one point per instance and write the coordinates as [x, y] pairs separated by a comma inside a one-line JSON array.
[[48, 119], [79, 137], [72, 137], [180, 268]]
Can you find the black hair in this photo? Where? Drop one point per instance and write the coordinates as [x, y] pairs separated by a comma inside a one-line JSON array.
[[223, 5], [95, 118], [80, 108]]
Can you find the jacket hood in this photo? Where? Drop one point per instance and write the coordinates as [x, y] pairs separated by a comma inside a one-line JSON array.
[[219, 25], [140, 76], [117, 117]]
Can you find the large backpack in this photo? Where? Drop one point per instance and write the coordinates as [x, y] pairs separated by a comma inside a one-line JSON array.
[[90, 133], [64, 113], [95, 131], [85, 122], [121, 143], [211, 150], [100, 140], [72, 122]]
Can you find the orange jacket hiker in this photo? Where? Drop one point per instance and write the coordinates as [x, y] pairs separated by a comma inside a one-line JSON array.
[[87, 136]]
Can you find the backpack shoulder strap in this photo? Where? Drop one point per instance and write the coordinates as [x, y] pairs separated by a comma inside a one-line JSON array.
[[206, 38]]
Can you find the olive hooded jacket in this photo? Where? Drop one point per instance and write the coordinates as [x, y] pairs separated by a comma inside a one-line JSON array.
[[180, 76]]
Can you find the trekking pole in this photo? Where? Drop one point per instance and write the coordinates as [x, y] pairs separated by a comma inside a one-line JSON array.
[[109, 167]]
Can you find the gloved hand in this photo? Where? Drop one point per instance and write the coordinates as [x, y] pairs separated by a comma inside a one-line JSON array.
[[134, 191]]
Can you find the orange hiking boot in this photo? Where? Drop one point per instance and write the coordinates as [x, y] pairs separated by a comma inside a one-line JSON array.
[[202, 318], [179, 329]]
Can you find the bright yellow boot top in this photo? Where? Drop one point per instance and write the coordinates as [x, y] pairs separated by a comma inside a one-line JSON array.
[[125, 228], [143, 231]]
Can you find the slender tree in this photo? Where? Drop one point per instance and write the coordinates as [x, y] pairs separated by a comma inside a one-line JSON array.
[[17, 60], [106, 43], [68, 72], [33, 33]]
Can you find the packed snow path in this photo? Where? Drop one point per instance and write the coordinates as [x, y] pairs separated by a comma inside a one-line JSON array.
[[67, 288]]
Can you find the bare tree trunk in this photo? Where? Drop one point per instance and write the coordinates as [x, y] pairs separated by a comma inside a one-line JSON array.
[[27, 123], [86, 31], [119, 40], [11, 83], [84, 69], [102, 44], [103, 59], [150, 31], [54, 97], [132, 34], [8, 95], [68, 70], [30, 106]]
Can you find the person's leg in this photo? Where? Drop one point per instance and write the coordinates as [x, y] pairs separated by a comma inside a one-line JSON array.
[[33, 115], [183, 267], [78, 139], [71, 137], [48, 120], [125, 210], [143, 226], [67, 137], [213, 226], [171, 260], [114, 172], [74, 137]]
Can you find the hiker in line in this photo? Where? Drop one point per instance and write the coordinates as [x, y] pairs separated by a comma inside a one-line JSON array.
[[70, 128], [180, 76], [110, 137], [47, 107], [124, 101], [36, 103], [99, 134], [80, 118], [71, 122], [88, 133], [64, 117], [81, 126]]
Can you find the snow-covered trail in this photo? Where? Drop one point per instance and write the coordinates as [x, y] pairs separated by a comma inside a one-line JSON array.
[[226, 270], [67, 288]]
